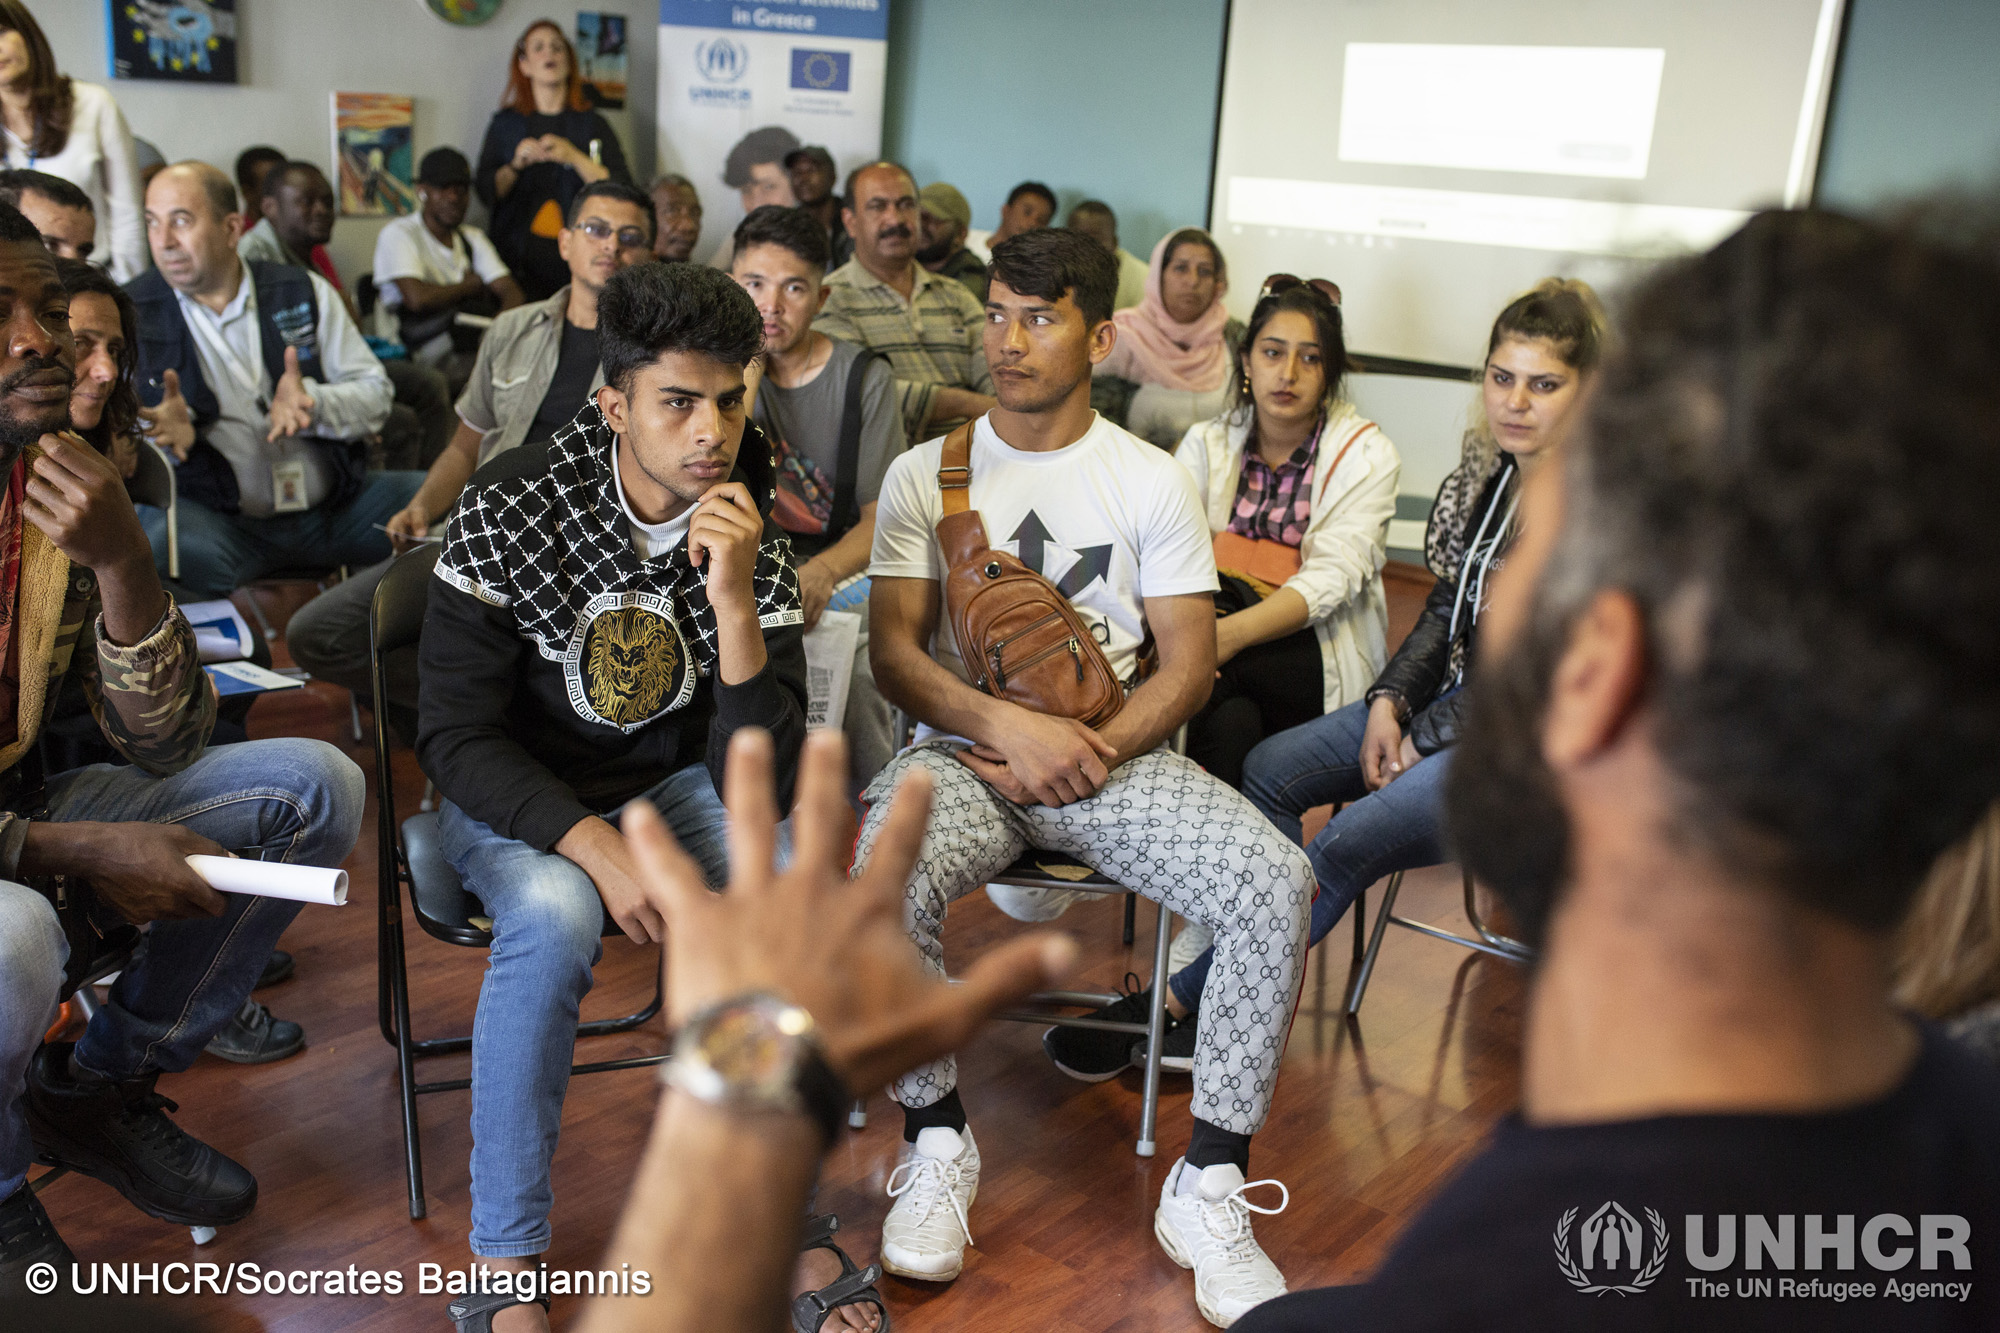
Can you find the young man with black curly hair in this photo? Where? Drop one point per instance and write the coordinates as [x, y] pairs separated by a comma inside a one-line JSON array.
[[609, 607]]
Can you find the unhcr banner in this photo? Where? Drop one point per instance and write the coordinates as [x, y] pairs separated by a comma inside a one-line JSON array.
[[742, 82]]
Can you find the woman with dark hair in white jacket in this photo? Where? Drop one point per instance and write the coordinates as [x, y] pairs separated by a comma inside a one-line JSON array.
[[1299, 489]]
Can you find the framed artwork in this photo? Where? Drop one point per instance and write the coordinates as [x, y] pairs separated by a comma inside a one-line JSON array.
[[177, 41], [465, 13], [600, 54], [372, 154]]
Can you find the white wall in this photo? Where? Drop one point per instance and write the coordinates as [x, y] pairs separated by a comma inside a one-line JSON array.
[[293, 54]]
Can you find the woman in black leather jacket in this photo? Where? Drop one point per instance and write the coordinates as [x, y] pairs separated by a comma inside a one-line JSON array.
[[1389, 753]]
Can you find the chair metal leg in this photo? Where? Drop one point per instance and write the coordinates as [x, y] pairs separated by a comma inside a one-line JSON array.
[[406, 1069], [1131, 916], [1156, 1029], [1503, 944], [354, 715], [86, 1003], [1360, 987], [1360, 914], [257, 613]]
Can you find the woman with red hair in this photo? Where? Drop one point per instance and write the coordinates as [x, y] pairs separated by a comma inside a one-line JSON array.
[[544, 144]]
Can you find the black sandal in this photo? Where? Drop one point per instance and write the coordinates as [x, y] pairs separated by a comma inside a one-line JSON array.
[[854, 1286], [473, 1312]]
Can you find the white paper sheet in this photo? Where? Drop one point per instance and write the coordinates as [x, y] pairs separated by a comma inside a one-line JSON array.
[[249, 678], [220, 632], [272, 879], [830, 667]]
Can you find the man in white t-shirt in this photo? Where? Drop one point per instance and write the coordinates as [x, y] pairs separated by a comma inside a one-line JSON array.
[[1117, 527], [432, 265]]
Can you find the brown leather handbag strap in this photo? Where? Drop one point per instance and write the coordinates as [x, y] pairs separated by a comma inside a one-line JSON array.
[[955, 471]]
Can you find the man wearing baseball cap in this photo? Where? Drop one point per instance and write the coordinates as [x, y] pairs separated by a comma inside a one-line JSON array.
[[813, 178], [431, 267], [946, 218]]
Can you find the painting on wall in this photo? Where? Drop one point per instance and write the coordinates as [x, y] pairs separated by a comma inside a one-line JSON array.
[[372, 154], [180, 41], [600, 54]]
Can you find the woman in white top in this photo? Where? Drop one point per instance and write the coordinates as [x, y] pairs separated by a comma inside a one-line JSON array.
[[74, 130], [1299, 489]]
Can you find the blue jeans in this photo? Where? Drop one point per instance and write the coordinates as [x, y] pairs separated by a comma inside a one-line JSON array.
[[547, 924], [1399, 827], [222, 552], [278, 800]]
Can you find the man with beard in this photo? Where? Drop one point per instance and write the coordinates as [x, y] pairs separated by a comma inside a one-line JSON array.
[[946, 215], [1741, 687], [609, 607], [883, 299], [813, 178], [299, 209], [87, 854], [431, 266], [1115, 524], [677, 209]]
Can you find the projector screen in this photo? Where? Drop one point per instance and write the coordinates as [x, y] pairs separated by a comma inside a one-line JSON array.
[[1437, 157]]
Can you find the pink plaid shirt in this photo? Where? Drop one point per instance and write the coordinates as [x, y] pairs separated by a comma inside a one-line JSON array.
[[1275, 504]]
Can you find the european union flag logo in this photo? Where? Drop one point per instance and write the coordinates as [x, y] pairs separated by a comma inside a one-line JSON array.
[[820, 71]]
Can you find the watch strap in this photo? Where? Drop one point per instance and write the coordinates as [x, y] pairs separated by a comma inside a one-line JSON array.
[[822, 1093]]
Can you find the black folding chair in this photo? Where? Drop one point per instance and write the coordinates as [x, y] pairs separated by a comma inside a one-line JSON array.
[[410, 857]]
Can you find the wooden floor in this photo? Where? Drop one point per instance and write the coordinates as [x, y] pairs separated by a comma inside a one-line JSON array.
[[1369, 1117]]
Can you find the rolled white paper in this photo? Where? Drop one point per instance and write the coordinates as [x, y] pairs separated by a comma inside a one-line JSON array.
[[272, 879]]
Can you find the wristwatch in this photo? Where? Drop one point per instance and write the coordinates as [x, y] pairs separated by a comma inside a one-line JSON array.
[[758, 1053]]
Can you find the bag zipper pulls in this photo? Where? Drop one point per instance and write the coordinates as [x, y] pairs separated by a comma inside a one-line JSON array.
[[1076, 653]]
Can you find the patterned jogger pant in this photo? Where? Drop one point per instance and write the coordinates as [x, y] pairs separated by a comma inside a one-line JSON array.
[[1168, 830]]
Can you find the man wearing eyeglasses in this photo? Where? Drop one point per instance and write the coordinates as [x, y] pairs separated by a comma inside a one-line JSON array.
[[536, 366]]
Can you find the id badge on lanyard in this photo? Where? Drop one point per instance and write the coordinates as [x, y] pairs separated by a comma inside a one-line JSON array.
[[288, 486]]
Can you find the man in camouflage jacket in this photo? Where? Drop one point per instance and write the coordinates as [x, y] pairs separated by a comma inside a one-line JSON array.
[[87, 855]]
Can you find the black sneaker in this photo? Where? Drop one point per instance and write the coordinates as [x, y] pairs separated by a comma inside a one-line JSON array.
[[1176, 1046], [1091, 1055], [27, 1238], [277, 968], [254, 1037], [119, 1133]]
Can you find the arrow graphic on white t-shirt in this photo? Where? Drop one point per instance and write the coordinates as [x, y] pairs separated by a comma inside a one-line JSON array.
[[1033, 540], [1092, 563]]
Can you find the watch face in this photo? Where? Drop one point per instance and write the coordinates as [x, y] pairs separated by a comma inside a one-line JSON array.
[[747, 1049]]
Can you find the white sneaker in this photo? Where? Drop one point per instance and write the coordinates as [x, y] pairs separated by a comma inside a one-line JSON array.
[[1192, 942], [936, 1180], [1031, 905], [1209, 1231]]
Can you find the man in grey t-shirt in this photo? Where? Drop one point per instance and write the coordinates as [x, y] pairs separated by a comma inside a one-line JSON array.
[[815, 395]]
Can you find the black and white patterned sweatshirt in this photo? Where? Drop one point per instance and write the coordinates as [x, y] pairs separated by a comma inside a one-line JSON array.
[[563, 675]]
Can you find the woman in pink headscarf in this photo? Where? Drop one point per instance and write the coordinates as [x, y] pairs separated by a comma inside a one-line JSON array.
[[1177, 344]]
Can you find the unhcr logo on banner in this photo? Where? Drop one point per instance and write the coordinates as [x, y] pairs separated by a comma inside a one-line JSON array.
[[820, 71], [721, 60]]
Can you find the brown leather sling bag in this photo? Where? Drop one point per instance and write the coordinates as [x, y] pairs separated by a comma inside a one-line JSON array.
[[1019, 638]]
